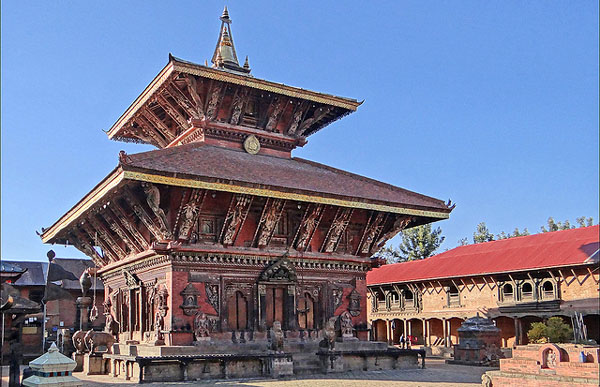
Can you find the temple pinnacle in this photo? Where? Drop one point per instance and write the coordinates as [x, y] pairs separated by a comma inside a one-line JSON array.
[[225, 57]]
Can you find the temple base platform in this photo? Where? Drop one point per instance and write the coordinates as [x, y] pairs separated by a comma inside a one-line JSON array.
[[225, 360]]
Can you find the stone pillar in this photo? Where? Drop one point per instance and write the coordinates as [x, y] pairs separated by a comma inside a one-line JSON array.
[[83, 304], [444, 326], [404, 329], [425, 333], [130, 315], [428, 325], [449, 333], [409, 323], [388, 331]]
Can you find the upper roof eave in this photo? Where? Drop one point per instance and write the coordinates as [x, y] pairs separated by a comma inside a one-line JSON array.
[[179, 65], [97, 193]]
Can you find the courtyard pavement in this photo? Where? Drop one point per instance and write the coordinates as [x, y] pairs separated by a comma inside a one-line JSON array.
[[436, 374]]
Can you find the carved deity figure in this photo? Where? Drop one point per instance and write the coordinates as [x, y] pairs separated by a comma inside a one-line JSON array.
[[551, 359], [306, 228], [268, 224], [337, 228], [201, 326], [212, 295], [370, 237], [337, 298], [238, 103], [234, 218], [153, 200], [276, 334], [329, 334], [189, 215], [346, 324], [295, 121]]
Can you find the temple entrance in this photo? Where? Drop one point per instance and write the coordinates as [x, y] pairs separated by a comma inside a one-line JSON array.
[[275, 305]]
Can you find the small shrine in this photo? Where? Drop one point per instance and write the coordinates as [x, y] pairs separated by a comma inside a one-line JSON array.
[[478, 343], [220, 236], [52, 369]]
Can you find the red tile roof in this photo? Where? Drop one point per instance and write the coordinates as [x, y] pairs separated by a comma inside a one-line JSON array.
[[206, 162], [553, 249]]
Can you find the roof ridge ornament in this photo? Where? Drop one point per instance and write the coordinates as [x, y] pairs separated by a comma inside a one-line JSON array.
[[225, 57]]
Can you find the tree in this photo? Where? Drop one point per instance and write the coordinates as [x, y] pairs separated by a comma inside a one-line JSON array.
[[555, 330], [417, 243], [582, 221], [482, 234], [463, 242]]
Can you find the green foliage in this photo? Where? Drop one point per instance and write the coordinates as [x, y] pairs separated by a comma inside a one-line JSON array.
[[582, 221], [417, 243], [537, 333], [555, 330], [558, 331], [482, 234], [463, 242]]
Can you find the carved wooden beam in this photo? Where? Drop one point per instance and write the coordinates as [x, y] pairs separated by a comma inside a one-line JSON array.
[[275, 113], [271, 215], [190, 212], [318, 114], [370, 233], [81, 242], [158, 124], [94, 235], [106, 236], [149, 133], [192, 88], [182, 100], [172, 112], [235, 218], [153, 200], [126, 221], [309, 223], [400, 224], [119, 229], [336, 229], [141, 213]]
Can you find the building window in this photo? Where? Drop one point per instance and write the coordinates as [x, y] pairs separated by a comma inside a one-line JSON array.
[[409, 299], [507, 292], [453, 296], [548, 290], [527, 291]]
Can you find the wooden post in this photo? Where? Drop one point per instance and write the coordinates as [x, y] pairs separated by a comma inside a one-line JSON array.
[[444, 326]]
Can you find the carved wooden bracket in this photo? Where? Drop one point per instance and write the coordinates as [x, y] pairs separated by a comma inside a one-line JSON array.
[[236, 216], [309, 223], [336, 229], [269, 219]]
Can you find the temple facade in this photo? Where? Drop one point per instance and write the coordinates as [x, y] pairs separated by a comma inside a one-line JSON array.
[[220, 232]]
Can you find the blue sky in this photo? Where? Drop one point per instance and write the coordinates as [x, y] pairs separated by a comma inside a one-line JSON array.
[[491, 104]]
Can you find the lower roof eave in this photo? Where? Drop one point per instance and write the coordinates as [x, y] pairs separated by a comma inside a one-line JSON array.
[[276, 192]]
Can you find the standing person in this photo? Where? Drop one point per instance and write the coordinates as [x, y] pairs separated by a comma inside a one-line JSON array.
[[402, 341]]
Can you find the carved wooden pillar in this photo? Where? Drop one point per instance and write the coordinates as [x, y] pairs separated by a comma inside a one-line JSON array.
[[290, 309], [262, 307]]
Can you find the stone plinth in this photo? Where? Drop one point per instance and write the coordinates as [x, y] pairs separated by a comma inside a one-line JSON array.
[[559, 365], [52, 369], [78, 358], [479, 343], [282, 366], [94, 364]]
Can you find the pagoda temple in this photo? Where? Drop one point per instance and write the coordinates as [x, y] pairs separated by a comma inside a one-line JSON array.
[[221, 223]]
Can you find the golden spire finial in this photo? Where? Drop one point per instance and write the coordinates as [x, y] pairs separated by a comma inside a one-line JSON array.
[[225, 56], [246, 64]]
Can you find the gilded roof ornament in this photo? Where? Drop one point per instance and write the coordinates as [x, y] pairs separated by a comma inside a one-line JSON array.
[[225, 57]]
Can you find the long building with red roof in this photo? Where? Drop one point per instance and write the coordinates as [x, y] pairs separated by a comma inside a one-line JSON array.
[[515, 281]]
